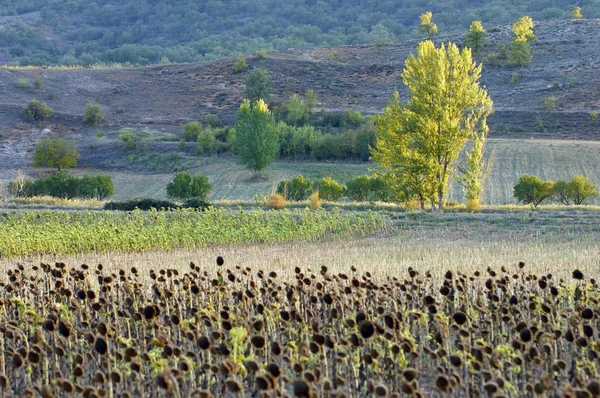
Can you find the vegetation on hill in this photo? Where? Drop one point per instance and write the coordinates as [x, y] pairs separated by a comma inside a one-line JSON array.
[[141, 32]]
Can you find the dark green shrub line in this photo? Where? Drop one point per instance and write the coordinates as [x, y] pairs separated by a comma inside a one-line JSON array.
[[62, 185], [149, 204], [360, 189]]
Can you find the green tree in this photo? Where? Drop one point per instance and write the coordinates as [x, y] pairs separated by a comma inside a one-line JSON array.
[[184, 186], [297, 111], [381, 36], [93, 114], [426, 26], [523, 30], [55, 152], [258, 85], [240, 64], [256, 141], [475, 37], [472, 177], [447, 106], [409, 174], [37, 111], [191, 131], [581, 189], [577, 13], [532, 190], [99, 187], [518, 54], [297, 189], [329, 189]]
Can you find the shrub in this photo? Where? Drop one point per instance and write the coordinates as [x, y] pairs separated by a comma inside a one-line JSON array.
[[196, 203], [240, 64], [352, 118], [335, 146], [93, 114], [206, 142], [22, 83], [549, 104], [258, 85], [594, 115], [532, 190], [329, 189], [57, 153], [367, 188], [331, 119], [297, 141], [37, 111], [132, 141], [191, 131], [95, 187], [21, 188], [295, 190], [141, 204], [276, 201], [60, 185], [212, 121], [365, 140], [184, 186]]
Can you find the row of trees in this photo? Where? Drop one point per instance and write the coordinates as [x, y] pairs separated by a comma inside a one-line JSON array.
[[531, 189], [62, 185]]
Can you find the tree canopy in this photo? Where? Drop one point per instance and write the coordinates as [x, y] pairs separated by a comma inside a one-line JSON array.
[[55, 152], [419, 143]]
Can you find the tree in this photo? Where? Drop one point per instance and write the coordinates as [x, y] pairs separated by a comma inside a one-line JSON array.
[[523, 29], [475, 37], [256, 142], [329, 189], [258, 85], [577, 13], [240, 64], [409, 174], [447, 106], [299, 188], [381, 36], [532, 190], [98, 187], [427, 27], [37, 111], [55, 152], [93, 114], [472, 177], [581, 189], [297, 111], [184, 186]]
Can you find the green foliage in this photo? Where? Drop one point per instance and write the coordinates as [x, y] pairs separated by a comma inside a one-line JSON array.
[[426, 26], [381, 35], [56, 152], [37, 111], [184, 186], [207, 142], [594, 115], [418, 144], [577, 13], [37, 83], [131, 140], [523, 29], [297, 142], [576, 191], [329, 189], [212, 120], [472, 176], [258, 85], [532, 190], [518, 54], [299, 188], [366, 139], [191, 131], [22, 83], [549, 104], [60, 185], [31, 233], [352, 118], [97, 187], [297, 111], [367, 188], [335, 146], [93, 114], [475, 37], [240, 64], [256, 143], [514, 78]]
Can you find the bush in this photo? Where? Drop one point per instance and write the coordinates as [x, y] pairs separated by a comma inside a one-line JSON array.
[[196, 203], [276, 201], [532, 190], [191, 131], [93, 114], [37, 111], [206, 142], [22, 83], [335, 146], [212, 121], [352, 118], [141, 204], [95, 187], [240, 64], [331, 119], [576, 191], [21, 189], [295, 190], [184, 186], [258, 85], [365, 140], [329, 189], [314, 200], [297, 141], [60, 185], [367, 188]]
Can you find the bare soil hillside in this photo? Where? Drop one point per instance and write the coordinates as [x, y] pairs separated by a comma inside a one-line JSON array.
[[162, 98]]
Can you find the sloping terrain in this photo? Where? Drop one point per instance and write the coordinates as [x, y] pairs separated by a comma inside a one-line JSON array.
[[162, 98]]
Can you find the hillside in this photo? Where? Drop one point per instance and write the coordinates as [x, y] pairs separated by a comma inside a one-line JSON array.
[[159, 99], [42, 32]]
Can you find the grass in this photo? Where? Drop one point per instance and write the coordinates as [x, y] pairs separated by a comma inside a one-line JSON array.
[[56, 202], [59, 232]]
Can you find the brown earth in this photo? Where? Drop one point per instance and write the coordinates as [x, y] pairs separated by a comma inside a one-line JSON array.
[[162, 98]]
